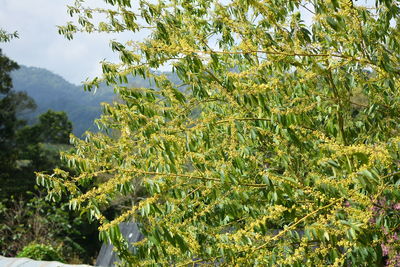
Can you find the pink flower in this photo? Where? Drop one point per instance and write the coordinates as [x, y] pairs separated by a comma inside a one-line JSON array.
[[396, 206], [395, 237], [385, 250]]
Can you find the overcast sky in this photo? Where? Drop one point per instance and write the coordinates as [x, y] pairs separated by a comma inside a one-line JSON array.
[[40, 45]]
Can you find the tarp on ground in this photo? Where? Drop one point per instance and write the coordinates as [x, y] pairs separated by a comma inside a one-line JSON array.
[[108, 257], [25, 262]]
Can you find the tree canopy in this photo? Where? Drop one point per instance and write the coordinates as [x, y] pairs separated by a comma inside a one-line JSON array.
[[279, 145]]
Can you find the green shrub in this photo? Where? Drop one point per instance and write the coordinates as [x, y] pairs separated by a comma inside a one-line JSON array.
[[40, 252], [24, 222]]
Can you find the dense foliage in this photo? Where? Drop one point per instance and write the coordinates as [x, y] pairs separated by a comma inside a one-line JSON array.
[[283, 151]]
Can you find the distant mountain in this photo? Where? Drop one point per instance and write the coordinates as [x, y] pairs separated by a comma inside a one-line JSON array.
[[51, 91]]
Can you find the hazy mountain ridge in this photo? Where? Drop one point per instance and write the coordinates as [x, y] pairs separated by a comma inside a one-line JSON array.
[[51, 91]]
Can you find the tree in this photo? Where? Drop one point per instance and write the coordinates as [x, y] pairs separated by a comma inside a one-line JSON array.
[[280, 145], [55, 127], [41, 143], [11, 103]]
